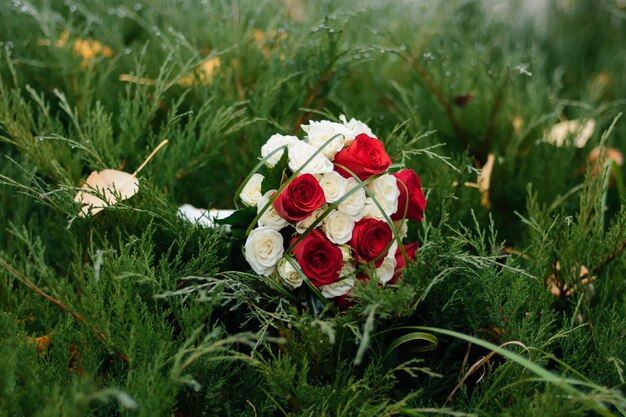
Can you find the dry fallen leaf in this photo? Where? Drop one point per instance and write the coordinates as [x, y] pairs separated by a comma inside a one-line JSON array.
[[203, 74], [43, 342], [266, 42], [483, 181], [565, 291], [612, 154], [105, 188], [600, 85], [111, 184], [561, 133], [517, 124], [87, 49], [127, 78]]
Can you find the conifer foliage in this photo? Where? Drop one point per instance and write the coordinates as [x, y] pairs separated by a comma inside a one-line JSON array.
[[114, 114]]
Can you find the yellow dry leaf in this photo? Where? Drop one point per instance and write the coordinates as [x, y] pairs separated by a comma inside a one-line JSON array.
[[43, 342], [266, 42], [600, 84], [110, 184], [134, 79], [561, 133], [517, 123], [63, 39], [483, 181], [87, 49], [203, 74]]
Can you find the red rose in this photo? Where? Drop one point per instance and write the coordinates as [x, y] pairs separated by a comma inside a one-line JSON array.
[[410, 250], [411, 190], [319, 259], [371, 238], [365, 157], [300, 198]]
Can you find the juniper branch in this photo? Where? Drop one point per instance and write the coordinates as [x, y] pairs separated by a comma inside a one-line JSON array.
[[28, 283]]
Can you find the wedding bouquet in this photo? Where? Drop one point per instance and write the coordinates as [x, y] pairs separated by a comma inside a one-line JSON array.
[[328, 210]]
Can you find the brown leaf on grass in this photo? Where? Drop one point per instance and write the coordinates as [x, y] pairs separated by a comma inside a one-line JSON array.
[[87, 49], [105, 188], [203, 74], [43, 342], [562, 290], [577, 132], [596, 165], [483, 181], [72, 364], [613, 154], [128, 78], [268, 41]]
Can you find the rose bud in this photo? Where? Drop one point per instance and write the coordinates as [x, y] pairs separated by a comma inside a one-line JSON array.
[[365, 157], [411, 191], [320, 260], [300, 198], [370, 240]]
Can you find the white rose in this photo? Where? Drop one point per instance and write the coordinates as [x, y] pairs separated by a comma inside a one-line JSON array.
[[354, 205], [290, 276], [334, 186], [385, 271], [348, 269], [263, 249], [386, 188], [270, 217], [318, 133], [275, 142], [302, 225], [338, 227], [392, 249], [371, 210], [337, 289], [251, 192], [346, 252], [356, 127], [300, 152], [402, 227]]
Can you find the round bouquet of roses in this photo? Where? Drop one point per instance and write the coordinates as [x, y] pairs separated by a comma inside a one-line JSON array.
[[328, 209]]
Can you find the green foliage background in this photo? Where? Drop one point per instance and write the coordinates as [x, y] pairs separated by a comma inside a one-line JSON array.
[[164, 317]]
